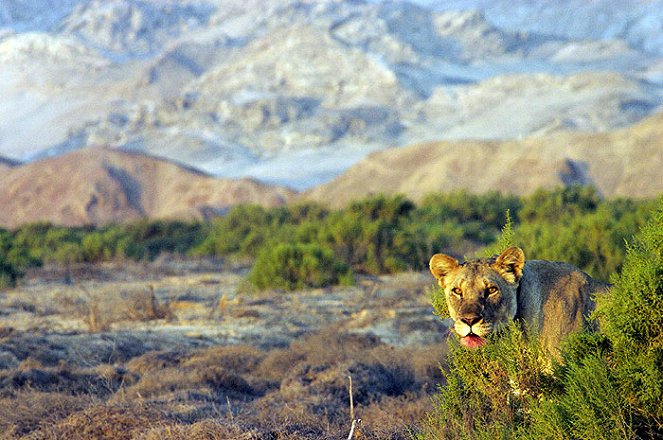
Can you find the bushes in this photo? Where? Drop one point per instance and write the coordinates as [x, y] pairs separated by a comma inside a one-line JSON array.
[[573, 225], [610, 384], [489, 391], [377, 235], [631, 317], [297, 265]]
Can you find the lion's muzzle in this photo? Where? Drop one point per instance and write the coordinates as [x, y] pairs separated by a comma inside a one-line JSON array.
[[472, 329]]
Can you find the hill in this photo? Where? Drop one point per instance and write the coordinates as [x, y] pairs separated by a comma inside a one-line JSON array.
[[100, 185], [249, 88], [625, 162]]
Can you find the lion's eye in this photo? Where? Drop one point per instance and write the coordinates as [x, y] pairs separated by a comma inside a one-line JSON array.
[[456, 291], [492, 290]]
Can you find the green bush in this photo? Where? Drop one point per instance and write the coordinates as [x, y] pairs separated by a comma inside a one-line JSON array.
[[489, 391], [609, 384], [632, 319], [296, 266], [573, 225]]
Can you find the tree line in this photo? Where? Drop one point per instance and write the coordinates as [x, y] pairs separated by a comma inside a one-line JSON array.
[[309, 245]]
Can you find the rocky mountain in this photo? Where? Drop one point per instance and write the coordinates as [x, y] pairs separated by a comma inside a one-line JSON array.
[[625, 162], [98, 186], [294, 92], [639, 22]]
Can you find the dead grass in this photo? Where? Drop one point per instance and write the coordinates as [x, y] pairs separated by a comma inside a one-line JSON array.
[[29, 410], [215, 372], [241, 359], [224, 392], [204, 430], [102, 421], [393, 417], [101, 307]]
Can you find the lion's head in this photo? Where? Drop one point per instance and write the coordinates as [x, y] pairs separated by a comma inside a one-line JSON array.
[[480, 294]]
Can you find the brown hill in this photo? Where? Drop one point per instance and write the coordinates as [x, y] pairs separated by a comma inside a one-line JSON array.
[[99, 185], [626, 162]]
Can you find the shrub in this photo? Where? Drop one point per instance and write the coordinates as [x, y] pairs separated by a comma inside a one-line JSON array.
[[295, 266], [489, 390], [610, 384], [632, 320]]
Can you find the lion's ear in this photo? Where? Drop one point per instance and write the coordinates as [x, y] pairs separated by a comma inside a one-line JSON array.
[[440, 265], [510, 264]]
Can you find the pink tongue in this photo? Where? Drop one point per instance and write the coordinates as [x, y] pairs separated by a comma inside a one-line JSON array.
[[472, 341]]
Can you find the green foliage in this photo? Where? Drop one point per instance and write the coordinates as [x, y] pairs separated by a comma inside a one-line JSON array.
[[631, 317], [573, 225], [10, 262], [241, 232], [489, 390], [564, 202], [591, 406], [369, 235], [295, 266], [380, 234], [609, 384], [506, 240]]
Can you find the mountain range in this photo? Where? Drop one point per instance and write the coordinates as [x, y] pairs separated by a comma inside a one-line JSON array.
[[303, 95], [294, 92]]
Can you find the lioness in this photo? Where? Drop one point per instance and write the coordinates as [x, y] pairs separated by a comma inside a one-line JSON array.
[[553, 298]]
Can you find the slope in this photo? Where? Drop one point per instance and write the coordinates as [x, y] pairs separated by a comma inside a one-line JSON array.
[[99, 185], [625, 162]]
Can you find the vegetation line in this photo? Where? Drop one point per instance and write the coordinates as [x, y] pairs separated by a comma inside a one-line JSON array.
[[308, 245]]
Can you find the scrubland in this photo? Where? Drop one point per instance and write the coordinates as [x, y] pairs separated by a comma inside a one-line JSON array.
[[252, 326], [171, 350]]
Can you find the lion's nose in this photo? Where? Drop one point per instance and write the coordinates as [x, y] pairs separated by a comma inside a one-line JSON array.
[[471, 320]]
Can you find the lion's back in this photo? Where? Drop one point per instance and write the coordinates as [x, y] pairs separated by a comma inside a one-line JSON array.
[[556, 298]]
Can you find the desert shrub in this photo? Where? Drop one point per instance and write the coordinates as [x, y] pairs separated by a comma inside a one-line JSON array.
[[551, 204], [295, 266], [12, 261], [609, 385], [591, 405], [9, 274], [364, 235], [464, 207], [488, 391], [632, 321], [29, 410], [146, 239], [242, 231], [575, 226]]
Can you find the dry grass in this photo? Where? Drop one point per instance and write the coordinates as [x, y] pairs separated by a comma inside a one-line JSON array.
[[26, 411], [102, 421], [204, 430], [104, 307], [224, 392], [136, 382]]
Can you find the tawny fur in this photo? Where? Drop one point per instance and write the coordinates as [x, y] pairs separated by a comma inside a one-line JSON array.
[[552, 298]]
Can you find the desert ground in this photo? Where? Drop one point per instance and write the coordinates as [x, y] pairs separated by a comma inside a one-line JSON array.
[[179, 349]]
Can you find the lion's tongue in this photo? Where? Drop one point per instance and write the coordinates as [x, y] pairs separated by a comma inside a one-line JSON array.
[[472, 341]]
